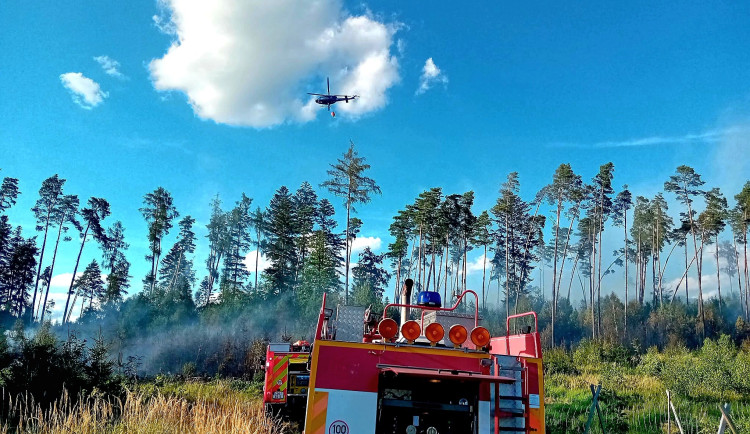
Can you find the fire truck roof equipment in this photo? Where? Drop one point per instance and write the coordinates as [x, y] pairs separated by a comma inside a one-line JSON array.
[[457, 335]]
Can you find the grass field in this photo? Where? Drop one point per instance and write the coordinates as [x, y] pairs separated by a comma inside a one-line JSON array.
[[161, 407], [632, 403]]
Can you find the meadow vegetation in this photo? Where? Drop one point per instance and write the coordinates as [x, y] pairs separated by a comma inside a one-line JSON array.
[[633, 398]]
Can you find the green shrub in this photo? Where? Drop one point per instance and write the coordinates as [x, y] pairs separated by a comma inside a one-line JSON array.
[[559, 361], [651, 363], [588, 355], [741, 373], [613, 377], [189, 370]]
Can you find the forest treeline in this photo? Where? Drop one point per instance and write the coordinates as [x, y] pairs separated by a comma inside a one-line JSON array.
[[207, 312]]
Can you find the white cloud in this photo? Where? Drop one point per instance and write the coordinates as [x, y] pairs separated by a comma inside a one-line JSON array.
[[249, 261], [63, 280], [478, 265], [85, 91], [431, 75], [251, 62], [110, 66], [360, 243]]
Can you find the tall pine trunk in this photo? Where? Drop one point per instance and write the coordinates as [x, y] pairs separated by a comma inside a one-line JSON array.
[[346, 260], [625, 331], [51, 270], [554, 270], [484, 274], [39, 268], [75, 270]]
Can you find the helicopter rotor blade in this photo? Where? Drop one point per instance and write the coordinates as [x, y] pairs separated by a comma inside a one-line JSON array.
[[318, 94], [328, 81]]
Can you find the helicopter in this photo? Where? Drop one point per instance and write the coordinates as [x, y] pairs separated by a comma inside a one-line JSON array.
[[328, 99]]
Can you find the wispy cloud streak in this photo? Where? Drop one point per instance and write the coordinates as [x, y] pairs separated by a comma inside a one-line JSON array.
[[707, 137]]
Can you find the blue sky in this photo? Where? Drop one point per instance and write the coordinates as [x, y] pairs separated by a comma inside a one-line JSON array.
[[648, 86]]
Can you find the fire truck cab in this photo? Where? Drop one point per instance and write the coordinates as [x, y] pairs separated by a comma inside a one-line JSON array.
[[433, 375], [287, 377]]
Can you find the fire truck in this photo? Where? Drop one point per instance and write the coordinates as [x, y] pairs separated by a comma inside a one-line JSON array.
[[439, 373], [287, 377]]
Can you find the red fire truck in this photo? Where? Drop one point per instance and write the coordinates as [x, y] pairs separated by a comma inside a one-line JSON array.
[[433, 375], [287, 377]]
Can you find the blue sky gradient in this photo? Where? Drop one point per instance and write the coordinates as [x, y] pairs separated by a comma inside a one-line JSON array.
[[648, 86]]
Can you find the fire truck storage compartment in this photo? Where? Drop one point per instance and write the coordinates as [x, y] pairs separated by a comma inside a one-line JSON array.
[[448, 406]]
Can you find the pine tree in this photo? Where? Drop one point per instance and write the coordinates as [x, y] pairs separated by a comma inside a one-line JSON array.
[[258, 221], [347, 180], [8, 193], [17, 262], [565, 187], [65, 214], [98, 210], [90, 286], [370, 279], [159, 212], [281, 242], [176, 274], [622, 204], [483, 237], [305, 207], [218, 243], [116, 264], [518, 235], [712, 222], [49, 195], [602, 189], [685, 184], [740, 226], [240, 238], [660, 234]]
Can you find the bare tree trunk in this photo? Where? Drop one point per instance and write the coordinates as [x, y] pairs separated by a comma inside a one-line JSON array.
[[257, 257], [52, 268], [177, 272], [439, 269], [429, 274], [698, 265], [554, 270], [564, 255], [747, 276], [419, 260], [718, 271], [75, 270], [687, 268], [739, 278], [466, 249], [346, 260], [572, 274], [637, 268], [507, 270], [484, 274], [447, 257], [39, 268], [592, 290], [599, 269], [625, 331]]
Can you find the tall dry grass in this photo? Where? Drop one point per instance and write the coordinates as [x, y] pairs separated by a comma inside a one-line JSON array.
[[215, 411]]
